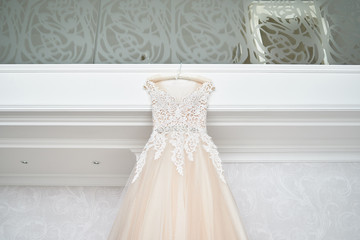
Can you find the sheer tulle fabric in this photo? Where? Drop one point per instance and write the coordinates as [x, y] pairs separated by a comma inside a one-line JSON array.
[[163, 205]]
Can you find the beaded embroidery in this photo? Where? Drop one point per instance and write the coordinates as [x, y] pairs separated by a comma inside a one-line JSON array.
[[183, 123]]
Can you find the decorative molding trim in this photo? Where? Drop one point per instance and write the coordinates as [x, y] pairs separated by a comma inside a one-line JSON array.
[[259, 87], [234, 153], [63, 180], [230, 155], [198, 68], [293, 95], [230, 116], [70, 143], [147, 108], [139, 144], [284, 154]]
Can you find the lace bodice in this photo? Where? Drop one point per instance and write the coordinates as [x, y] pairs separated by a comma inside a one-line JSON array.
[[182, 123]]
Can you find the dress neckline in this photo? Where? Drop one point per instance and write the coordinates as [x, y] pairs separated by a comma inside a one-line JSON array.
[[182, 99]]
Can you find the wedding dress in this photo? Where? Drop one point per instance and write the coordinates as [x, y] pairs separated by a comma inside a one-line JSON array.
[[177, 190]]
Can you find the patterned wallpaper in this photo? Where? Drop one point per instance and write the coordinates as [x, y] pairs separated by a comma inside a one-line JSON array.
[[174, 31], [278, 201]]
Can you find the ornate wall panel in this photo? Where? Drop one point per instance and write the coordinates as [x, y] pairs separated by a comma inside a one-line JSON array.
[[208, 31], [308, 201], [173, 31], [342, 23], [48, 31], [286, 32], [12, 17], [134, 32]]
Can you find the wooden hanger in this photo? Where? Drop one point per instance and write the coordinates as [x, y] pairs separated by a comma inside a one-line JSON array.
[[195, 78]]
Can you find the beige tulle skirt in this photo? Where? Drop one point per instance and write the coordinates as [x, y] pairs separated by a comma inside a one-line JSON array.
[[163, 205]]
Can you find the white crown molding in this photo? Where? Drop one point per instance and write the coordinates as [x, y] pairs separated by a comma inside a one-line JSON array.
[[70, 143], [279, 97], [156, 68], [298, 154], [63, 180], [228, 152], [118, 87], [137, 145], [224, 117], [147, 108]]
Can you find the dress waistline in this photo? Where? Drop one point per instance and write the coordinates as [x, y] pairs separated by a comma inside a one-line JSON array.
[[179, 128]]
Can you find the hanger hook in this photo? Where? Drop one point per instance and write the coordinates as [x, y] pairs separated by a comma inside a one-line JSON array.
[[177, 76]]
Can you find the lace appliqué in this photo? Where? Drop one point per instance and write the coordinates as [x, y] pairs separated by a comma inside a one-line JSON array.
[[177, 157], [140, 162], [182, 142], [211, 148], [183, 123]]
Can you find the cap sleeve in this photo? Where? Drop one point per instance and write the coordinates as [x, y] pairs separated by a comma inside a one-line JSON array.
[[210, 87], [148, 86]]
